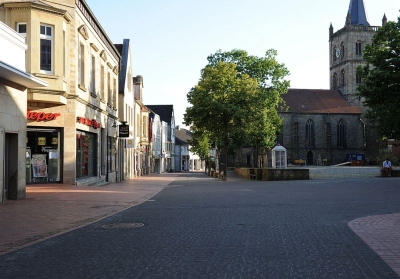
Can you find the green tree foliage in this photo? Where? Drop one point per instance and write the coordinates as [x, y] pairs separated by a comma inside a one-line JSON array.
[[236, 98], [270, 75], [200, 145], [380, 85]]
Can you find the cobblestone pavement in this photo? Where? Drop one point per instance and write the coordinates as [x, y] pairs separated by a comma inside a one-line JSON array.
[[200, 227]]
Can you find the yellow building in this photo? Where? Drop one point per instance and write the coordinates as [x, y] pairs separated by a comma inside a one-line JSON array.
[[71, 124]]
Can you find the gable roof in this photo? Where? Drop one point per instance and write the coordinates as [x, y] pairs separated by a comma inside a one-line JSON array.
[[357, 13], [183, 135], [164, 111], [317, 101]]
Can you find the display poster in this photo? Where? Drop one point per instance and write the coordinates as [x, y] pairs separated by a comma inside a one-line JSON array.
[[41, 140], [39, 165]]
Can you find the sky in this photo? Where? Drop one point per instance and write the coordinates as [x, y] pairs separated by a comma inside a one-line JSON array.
[[170, 40]]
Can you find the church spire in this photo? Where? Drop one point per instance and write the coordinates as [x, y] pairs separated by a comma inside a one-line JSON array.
[[356, 14]]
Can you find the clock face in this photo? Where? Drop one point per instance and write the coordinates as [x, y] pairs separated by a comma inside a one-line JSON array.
[[338, 52]]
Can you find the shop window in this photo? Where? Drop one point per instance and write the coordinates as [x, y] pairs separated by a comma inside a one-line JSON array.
[[43, 155], [86, 156]]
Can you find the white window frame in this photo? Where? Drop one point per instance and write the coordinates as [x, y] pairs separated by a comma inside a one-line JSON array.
[[18, 27], [51, 39], [81, 65]]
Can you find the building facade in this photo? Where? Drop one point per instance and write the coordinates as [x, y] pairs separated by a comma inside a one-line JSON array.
[[71, 124], [14, 81], [167, 117]]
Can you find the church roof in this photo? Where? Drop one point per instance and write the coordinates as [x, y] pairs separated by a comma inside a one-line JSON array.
[[357, 13], [317, 101]]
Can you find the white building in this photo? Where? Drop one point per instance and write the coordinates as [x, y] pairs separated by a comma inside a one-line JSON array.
[[14, 82]]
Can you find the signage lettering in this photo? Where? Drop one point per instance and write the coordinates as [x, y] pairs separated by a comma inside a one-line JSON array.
[[92, 123], [41, 116], [123, 131]]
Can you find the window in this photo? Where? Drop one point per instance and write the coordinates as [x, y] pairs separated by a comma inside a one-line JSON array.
[[328, 135], [358, 48], [295, 133], [46, 44], [342, 76], [112, 151], [102, 82], [64, 55], [81, 65], [310, 134], [358, 79], [109, 89], [93, 77], [21, 29], [86, 158], [144, 127], [115, 93], [341, 134]]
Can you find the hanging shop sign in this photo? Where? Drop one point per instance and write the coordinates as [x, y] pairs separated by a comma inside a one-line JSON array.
[[89, 122], [41, 116], [123, 131]]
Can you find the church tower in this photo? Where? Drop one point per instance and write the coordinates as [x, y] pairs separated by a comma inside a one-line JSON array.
[[346, 48]]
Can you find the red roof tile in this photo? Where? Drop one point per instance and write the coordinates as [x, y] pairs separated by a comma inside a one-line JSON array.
[[317, 101]]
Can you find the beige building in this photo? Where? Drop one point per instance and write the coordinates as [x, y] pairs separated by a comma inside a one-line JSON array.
[[14, 82], [71, 125]]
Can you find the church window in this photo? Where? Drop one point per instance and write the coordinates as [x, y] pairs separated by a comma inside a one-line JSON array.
[[328, 135], [334, 54], [341, 134], [358, 48], [295, 135], [310, 133], [358, 79], [342, 77]]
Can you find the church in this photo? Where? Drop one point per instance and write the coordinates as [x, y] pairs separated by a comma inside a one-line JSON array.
[[328, 126]]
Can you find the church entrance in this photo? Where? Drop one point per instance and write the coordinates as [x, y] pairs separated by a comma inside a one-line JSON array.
[[310, 158]]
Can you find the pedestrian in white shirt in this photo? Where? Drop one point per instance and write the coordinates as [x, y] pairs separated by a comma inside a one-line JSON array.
[[387, 167]]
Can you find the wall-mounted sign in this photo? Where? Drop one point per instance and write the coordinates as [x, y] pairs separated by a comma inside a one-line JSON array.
[[92, 123], [41, 140], [129, 143], [41, 116], [123, 131]]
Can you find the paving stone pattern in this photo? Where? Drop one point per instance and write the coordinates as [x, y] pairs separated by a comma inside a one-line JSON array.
[[200, 227]]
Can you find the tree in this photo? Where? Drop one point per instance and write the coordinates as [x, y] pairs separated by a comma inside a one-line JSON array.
[[380, 78], [220, 102], [270, 74], [236, 99], [200, 145]]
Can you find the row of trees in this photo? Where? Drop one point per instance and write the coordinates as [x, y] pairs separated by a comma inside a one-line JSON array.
[[235, 102]]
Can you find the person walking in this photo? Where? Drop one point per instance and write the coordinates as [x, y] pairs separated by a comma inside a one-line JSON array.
[[387, 167]]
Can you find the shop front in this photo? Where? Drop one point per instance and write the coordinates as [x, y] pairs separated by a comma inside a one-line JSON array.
[[43, 155]]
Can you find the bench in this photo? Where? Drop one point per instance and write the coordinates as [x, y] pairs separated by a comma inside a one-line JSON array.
[[253, 177], [395, 173], [299, 162]]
